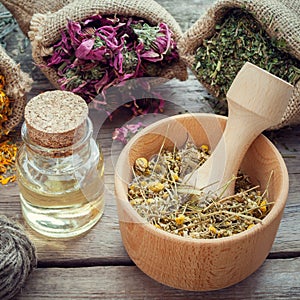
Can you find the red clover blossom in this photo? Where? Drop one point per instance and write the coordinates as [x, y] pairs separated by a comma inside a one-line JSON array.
[[103, 51]]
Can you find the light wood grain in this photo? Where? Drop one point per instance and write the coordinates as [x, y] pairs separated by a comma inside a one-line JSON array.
[[256, 101], [276, 279], [104, 241], [102, 246], [195, 264]]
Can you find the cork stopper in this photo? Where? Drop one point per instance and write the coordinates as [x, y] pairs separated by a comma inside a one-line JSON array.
[[56, 119]]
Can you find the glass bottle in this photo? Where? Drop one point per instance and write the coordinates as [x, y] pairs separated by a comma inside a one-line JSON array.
[[61, 188]]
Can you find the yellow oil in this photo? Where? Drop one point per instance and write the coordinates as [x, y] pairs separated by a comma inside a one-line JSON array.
[[62, 208]]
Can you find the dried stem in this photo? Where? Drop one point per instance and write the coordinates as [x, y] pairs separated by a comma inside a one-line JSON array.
[[159, 195]]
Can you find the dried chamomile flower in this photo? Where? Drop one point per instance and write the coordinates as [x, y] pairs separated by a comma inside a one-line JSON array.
[[159, 195]]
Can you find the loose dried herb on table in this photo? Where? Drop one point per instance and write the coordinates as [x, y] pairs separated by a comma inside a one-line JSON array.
[[158, 194], [238, 40]]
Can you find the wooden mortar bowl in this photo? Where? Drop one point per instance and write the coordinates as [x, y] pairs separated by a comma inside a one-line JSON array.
[[199, 264]]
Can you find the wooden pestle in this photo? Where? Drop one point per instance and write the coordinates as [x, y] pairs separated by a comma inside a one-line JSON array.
[[256, 101]]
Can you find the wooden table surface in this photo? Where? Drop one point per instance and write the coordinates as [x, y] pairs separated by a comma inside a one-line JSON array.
[[96, 265]]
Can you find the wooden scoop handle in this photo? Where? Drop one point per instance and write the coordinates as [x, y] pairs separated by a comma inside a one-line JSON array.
[[256, 101]]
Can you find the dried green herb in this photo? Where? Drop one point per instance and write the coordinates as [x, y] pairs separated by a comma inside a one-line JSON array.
[[159, 195], [240, 38]]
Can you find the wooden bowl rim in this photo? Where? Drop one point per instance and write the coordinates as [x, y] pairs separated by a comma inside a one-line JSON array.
[[272, 215]]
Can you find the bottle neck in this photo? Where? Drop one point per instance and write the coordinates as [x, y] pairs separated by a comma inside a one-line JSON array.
[[52, 158]]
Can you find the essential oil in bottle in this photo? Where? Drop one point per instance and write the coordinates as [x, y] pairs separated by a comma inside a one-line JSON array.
[[60, 168]]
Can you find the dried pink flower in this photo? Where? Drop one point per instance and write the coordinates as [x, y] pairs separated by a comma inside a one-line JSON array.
[[126, 132], [103, 51]]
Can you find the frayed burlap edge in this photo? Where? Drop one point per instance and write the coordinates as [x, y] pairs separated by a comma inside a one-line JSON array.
[[292, 114], [280, 19], [45, 29], [17, 85]]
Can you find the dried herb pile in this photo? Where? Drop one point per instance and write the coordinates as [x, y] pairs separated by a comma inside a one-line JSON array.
[[8, 149], [238, 39], [158, 194], [5, 108], [8, 153], [103, 51]]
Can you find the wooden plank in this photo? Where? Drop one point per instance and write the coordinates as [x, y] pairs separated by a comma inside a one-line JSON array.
[[186, 15], [275, 279], [95, 265], [104, 241]]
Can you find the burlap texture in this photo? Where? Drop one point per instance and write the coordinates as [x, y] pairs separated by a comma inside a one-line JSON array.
[[23, 10], [279, 18], [17, 85], [45, 29]]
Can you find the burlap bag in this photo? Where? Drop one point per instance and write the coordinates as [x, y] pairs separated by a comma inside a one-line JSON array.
[[279, 18], [23, 10], [45, 29], [17, 85]]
